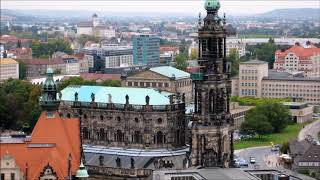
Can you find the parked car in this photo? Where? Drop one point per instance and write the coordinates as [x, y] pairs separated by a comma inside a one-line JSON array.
[[252, 160], [243, 163]]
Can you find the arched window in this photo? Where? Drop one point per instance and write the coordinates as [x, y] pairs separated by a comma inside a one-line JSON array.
[[159, 138], [119, 118], [136, 120], [137, 137], [101, 117], [85, 133], [102, 135], [119, 137], [68, 115], [159, 120], [85, 116]]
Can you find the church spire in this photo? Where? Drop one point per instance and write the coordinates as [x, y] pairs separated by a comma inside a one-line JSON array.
[[48, 100]]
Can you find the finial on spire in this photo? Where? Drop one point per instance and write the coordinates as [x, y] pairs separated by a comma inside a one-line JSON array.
[[199, 19]]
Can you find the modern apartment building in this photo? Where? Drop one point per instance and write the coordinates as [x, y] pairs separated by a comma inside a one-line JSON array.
[[255, 80], [9, 68], [299, 58], [146, 49], [104, 59]]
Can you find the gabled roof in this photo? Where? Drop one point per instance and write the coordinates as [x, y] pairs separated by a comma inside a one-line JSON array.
[[52, 140], [301, 52], [312, 154], [170, 72], [118, 94]]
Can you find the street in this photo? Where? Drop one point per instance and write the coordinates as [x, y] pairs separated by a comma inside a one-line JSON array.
[[311, 129], [266, 159]]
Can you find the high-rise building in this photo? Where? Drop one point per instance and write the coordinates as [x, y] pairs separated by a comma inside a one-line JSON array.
[[212, 134], [146, 50]]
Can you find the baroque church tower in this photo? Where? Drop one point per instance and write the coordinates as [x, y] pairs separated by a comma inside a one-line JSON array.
[[48, 100], [212, 133]]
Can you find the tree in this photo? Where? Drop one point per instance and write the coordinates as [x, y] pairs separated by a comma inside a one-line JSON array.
[[22, 70], [194, 54], [235, 61], [181, 62], [257, 124], [45, 49], [83, 38], [276, 114]]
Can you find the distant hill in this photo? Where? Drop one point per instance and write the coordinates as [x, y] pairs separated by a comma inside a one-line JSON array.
[[295, 13]]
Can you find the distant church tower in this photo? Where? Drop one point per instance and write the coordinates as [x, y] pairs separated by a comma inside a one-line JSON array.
[[212, 138], [95, 20]]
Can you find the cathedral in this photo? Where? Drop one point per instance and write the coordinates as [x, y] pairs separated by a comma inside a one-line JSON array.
[[131, 132]]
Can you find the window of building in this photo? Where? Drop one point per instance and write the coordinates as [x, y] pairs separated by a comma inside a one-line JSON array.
[[101, 117], [136, 120], [141, 84], [147, 84], [119, 118], [135, 83], [166, 84], [159, 120], [129, 83], [154, 84], [2, 176], [159, 84], [12, 176]]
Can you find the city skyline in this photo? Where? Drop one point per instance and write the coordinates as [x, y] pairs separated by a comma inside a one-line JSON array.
[[187, 7]]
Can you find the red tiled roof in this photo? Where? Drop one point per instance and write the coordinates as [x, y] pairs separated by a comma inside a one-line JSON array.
[[168, 48], [43, 61], [301, 52], [11, 38], [94, 76], [79, 55], [64, 133]]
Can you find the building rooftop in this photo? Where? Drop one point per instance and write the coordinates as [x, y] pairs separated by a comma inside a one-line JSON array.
[[169, 72], [274, 75], [52, 140], [117, 95], [298, 50], [254, 62], [8, 61]]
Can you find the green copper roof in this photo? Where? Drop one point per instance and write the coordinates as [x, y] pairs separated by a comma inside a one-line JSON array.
[[82, 172], [169, 71], [212, 5], [49, 71], [102, 93]]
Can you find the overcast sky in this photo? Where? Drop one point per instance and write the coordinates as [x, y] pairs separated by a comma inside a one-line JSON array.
[[178, 6]]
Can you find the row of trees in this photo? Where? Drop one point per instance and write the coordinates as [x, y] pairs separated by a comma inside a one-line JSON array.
[[43, 50], [265, 119], [19, 107], [252, 101]]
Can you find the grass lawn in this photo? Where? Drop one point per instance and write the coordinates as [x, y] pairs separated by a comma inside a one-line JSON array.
[[289, 133]]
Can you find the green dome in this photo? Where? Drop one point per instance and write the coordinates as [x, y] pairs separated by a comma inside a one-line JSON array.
[[49, 71], [212, 5], [82, 172]]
